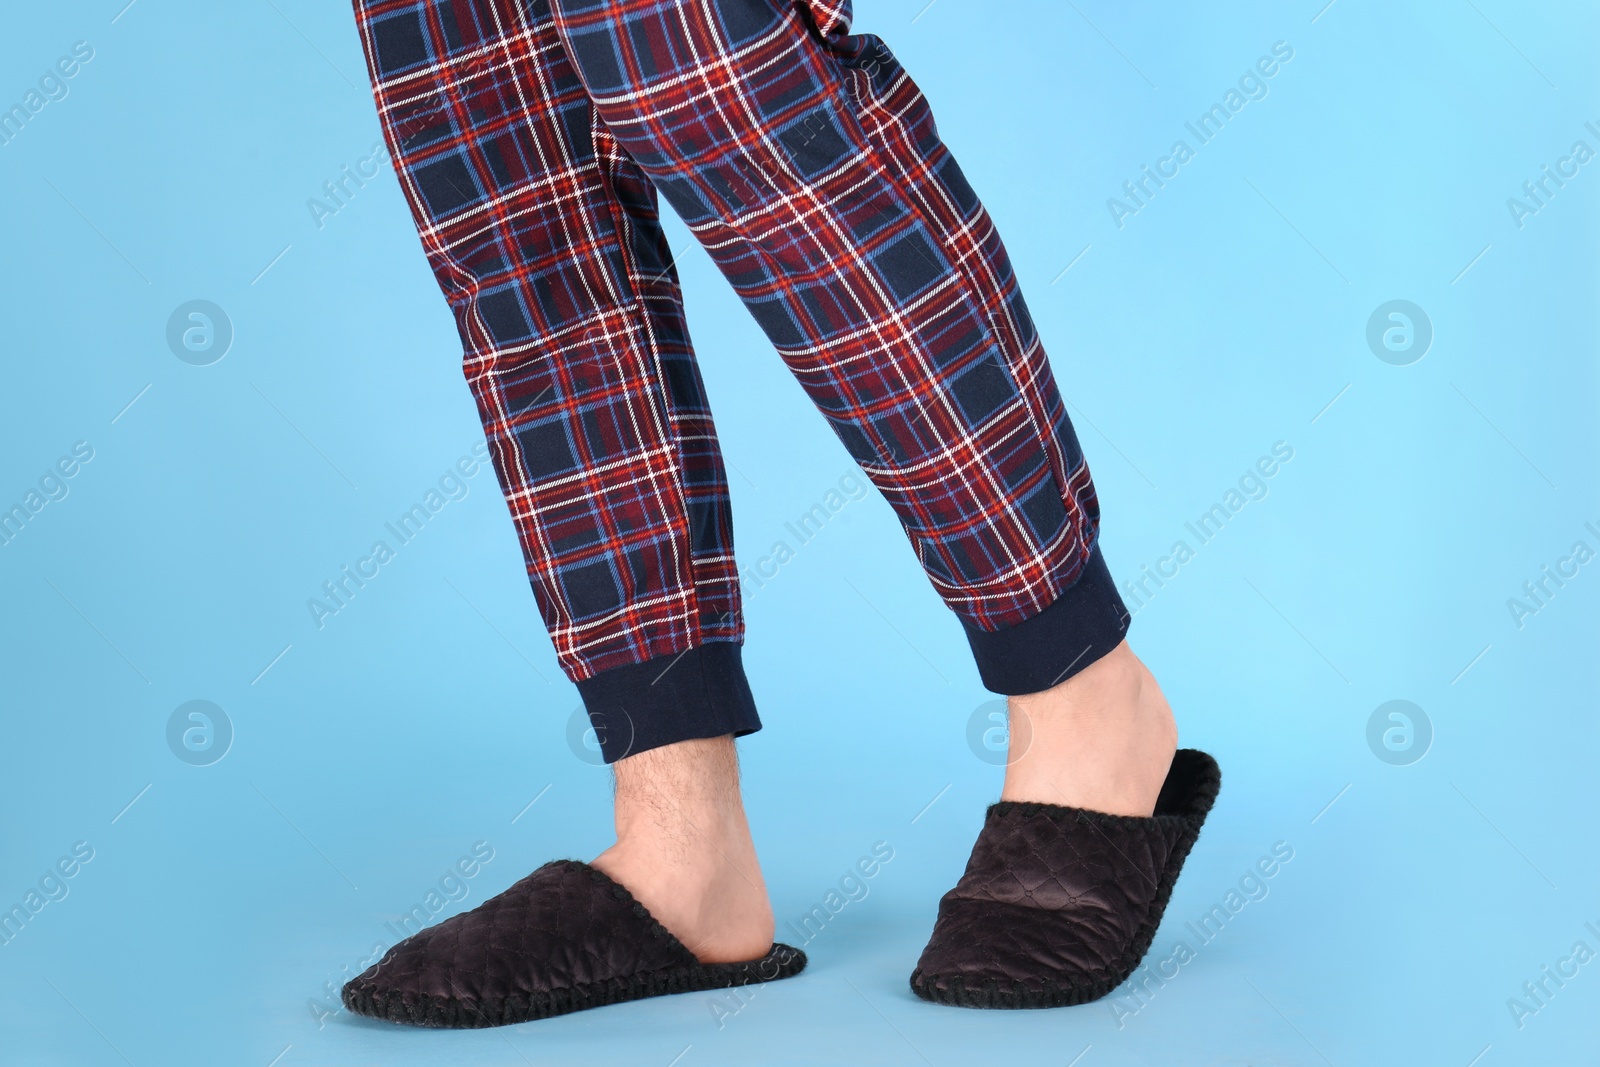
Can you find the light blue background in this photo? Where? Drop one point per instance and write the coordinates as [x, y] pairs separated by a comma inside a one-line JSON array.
[[1227, 315]]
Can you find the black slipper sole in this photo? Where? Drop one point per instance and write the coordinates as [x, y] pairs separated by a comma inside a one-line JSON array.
[[460, 1014]]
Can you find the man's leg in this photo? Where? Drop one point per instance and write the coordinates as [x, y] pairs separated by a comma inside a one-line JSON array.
[[1102, 740], [683, 847], [544, 236], [808, 164]]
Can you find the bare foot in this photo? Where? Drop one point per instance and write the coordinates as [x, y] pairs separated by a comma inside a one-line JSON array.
[[684, 850], [1101, 740]]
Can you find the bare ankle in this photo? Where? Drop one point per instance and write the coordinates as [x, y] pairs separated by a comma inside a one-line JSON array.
[[1102, 740], [684, 849], [680, 796]]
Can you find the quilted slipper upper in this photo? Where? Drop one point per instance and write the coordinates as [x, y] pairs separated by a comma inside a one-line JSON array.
[[562, 939], [1058, 904]]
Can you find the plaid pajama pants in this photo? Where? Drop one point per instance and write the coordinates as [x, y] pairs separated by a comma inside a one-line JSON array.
[[532, 137]]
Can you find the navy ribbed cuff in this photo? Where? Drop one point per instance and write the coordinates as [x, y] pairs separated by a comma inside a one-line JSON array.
[[1080, 626], [699, 693]]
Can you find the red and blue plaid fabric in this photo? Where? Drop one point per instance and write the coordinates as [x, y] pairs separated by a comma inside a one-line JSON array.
[[531, 138]]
